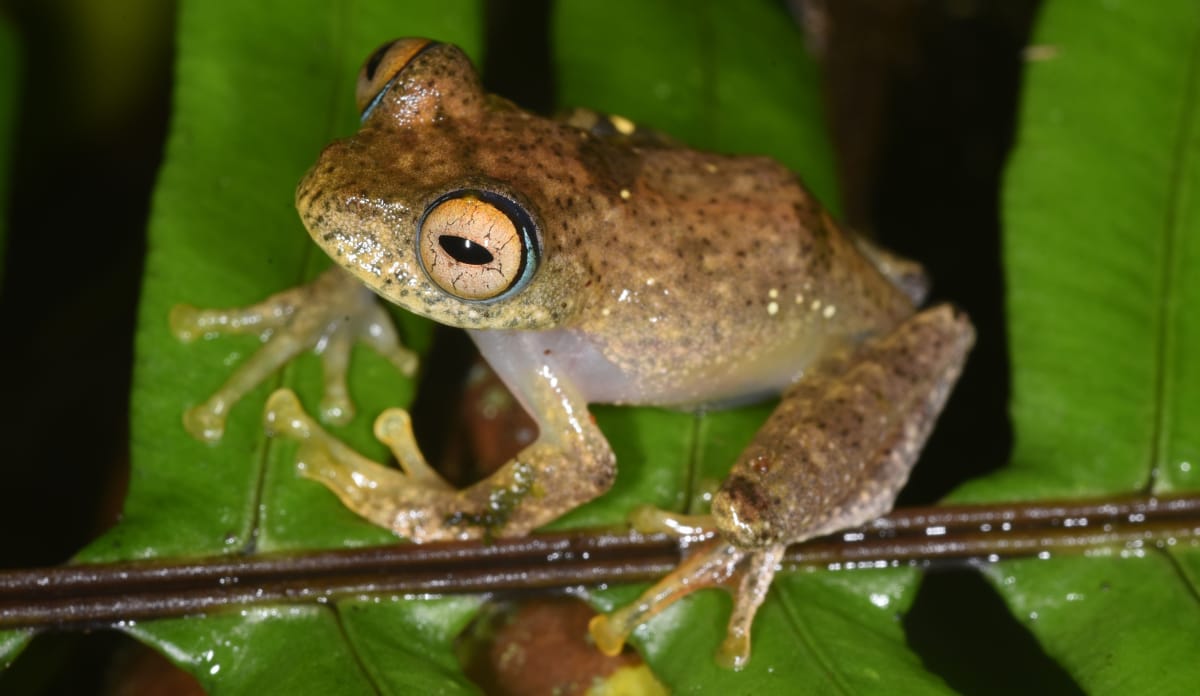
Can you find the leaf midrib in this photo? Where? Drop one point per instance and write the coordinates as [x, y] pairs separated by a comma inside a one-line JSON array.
[[1166, 349], [832, 675], [339, 21], [339, 31]]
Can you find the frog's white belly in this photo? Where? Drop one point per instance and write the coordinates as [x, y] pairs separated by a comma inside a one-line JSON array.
[[518, 355]]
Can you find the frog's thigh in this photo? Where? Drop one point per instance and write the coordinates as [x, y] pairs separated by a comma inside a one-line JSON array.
[[839, 447]]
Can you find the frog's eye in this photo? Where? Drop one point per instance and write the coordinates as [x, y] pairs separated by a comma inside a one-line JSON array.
[[381, 69], [477, 245]]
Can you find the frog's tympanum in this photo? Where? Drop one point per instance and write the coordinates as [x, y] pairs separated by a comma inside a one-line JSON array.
[[593, 262]]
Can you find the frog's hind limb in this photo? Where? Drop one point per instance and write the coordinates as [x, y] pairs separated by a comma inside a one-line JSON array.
[[745, 573], [907, 275], [833, 455], [327, 316]]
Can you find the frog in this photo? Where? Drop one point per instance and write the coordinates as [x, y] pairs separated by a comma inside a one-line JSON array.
[[594, 261]]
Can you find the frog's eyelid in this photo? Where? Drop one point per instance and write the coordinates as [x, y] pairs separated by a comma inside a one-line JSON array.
[[376, 58], [387, 86], [366, 113]]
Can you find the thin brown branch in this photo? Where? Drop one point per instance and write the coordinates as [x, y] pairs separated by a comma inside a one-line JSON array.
[[87, 595]]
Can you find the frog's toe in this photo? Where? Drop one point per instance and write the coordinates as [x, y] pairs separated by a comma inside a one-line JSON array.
[[609, 633], [337, 409], [380, 334], [336, 406], [393, 428], [206, 422], [189, 323], [754, 577], [184, 323], [746, 573], [413, 503], [647, 519], [285, 417], [709, 565], [326, 316]]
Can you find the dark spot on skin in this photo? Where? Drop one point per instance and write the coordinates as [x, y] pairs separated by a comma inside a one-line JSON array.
[[746, 496], [604, 478], [762, 464], [546, 352]]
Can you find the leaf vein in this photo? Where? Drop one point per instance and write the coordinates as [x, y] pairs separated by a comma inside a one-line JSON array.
[[1165, 350], [822, 660]]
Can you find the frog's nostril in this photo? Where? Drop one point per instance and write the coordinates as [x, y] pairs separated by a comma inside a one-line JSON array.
[[464, 250]]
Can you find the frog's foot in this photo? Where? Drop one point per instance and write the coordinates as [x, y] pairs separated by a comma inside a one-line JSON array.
[[327, 315], [713, 562], [414, 501]]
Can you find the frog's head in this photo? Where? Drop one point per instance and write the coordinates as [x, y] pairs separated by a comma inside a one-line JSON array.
[[425, 204]]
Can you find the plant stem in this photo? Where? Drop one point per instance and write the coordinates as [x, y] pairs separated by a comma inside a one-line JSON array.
[[86, 595]]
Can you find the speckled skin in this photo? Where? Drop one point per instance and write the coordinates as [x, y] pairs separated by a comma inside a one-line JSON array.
[[700, 277], [665, 276]]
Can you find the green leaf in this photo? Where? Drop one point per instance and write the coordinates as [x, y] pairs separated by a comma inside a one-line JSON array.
[[11, 645], [261, 88], [257, 99], [1101, 234], [250, 114], [720, 76]]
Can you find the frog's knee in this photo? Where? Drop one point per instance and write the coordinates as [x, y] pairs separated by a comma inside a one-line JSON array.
[[747, 513]]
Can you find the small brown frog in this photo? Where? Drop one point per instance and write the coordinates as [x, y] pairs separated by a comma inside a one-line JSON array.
[[592, 262]]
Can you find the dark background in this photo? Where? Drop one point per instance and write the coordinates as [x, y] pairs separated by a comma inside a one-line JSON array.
[[921, 100]]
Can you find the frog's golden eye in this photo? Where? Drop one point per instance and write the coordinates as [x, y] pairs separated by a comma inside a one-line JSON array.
[[477, 245], [381, 69]]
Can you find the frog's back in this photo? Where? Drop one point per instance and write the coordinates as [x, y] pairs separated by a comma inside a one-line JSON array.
[[722, 278]]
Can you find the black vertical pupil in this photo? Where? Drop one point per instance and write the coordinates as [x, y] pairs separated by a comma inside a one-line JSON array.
[[464, 250]]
